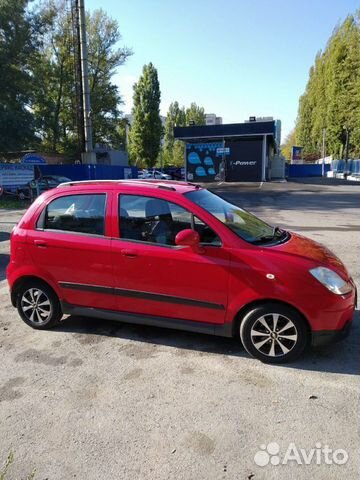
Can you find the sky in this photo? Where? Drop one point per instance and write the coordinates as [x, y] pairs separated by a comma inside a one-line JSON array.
[[236, 58]]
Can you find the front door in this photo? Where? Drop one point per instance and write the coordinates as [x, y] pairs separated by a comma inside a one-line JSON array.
[[154, 276]]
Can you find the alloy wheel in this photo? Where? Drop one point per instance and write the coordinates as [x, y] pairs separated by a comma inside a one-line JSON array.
[[274, 335], [36, 306]]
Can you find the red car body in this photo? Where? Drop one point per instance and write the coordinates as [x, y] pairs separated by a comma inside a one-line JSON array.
[[112, 277]]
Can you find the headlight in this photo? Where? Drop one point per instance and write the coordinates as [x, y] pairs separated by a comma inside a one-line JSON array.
[[331, 280]]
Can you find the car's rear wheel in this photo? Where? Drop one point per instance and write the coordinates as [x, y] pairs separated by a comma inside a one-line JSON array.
[[38, 305], [274, 333]]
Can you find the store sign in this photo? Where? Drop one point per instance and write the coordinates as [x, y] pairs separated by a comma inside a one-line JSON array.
[[33, 159], [244, 164], [223, 151]]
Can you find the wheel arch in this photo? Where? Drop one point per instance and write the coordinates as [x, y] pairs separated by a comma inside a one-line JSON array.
[[22, 281], [257, 303]]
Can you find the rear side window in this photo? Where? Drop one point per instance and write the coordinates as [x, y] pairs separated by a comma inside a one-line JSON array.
[[76, 213]]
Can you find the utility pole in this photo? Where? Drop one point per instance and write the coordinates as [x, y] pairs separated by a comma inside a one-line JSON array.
[[89, 155], [77, 75], [323, 152], [346, 151]]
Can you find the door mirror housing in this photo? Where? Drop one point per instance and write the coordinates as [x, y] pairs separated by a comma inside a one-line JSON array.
[[189, 238]]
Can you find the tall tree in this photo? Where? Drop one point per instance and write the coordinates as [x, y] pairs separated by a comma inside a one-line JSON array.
[[289, 142], [104, 59], [332, 96], [175, 117], [195, 114], [146, 129], [57, 101], [18, 42]]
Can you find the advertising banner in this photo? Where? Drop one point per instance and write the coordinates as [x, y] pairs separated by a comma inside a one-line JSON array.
[[296, 154], [15, 175], [204, 161]]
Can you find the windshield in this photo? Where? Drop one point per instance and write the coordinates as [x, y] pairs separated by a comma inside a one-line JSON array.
[[242, 223]]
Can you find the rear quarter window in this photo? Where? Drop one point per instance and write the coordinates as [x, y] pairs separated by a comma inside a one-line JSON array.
[[83, 213]]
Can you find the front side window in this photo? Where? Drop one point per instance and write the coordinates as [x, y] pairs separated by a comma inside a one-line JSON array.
[[155, 220], [241, 222], [76, 213]]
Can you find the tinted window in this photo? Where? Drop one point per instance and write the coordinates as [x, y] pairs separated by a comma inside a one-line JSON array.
[[77, 213], [154, 220], [207, 234]]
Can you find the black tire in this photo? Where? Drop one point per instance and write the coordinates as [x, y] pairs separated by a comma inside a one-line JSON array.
[[38, 305], [268, 344]]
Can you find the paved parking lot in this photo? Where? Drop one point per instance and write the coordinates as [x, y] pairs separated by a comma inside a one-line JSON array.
[[100, 400]]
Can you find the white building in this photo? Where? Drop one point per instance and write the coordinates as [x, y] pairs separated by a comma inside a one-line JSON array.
[[212, 119]]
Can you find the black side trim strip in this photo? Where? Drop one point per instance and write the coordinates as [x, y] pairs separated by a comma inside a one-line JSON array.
[[223, 330], [142, 295]]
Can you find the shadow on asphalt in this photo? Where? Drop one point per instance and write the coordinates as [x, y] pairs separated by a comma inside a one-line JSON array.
[[4, 236], [303, 200], [4, 260], [342, 357], [323, 181]]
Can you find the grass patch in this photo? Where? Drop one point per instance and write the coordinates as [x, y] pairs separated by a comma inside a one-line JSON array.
[[9, 461], [10, 203]]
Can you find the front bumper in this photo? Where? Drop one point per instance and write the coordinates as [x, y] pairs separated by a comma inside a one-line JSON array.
[[327, 337]]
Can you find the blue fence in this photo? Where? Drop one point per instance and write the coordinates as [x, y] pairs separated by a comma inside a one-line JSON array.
[[353, 166], [306, 170], [89, 172]]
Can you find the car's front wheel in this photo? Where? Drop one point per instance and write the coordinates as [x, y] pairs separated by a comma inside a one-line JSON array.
[[38, 305], [274, 333]]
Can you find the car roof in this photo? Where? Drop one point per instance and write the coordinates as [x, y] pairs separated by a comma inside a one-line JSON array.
[[171, 185]]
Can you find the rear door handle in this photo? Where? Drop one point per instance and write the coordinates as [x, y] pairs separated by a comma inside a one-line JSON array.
[[40, 243], [129, 253]]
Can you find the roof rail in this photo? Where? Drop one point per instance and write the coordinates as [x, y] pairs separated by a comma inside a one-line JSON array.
[[193, 184], [165, 184], [162, 184], [167, 187], [84, 182]]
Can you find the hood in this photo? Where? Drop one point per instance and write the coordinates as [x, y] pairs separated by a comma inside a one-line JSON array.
[[311, 250]]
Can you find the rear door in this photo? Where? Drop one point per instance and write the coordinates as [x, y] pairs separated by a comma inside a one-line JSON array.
[[71, 244], [154, 276]]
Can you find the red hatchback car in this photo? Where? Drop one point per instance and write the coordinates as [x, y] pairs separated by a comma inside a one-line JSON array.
[[172, 254]]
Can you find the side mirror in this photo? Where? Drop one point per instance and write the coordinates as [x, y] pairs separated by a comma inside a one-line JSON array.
[[189, 238]]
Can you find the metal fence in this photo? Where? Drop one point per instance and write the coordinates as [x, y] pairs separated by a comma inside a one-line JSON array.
[[89, 172]]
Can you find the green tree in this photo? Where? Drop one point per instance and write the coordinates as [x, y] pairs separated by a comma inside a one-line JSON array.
[[175, 117], [195, 114], [19, 32], [289, 142], [57, 103], [332, 96], [104, 59], [146, 129]]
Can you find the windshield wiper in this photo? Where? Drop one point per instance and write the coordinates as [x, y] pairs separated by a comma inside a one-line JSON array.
[[277, 230]]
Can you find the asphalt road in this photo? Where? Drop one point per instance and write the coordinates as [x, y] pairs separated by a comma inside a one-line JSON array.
[[100, 400]]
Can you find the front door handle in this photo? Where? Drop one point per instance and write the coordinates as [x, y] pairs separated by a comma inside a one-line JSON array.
[[129, 253], [40, 243]]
